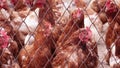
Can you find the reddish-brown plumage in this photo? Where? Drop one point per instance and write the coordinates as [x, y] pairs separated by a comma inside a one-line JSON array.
[[76, 22], [74, 51], [8, 47], [109, 39], [13, 48], [37, 54], [117, 52], [111, 10], [116, 65], [117, 43]]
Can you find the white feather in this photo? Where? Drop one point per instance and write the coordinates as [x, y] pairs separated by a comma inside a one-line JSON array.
[[96, 28], [117, 2], [5, 13], [29, 39], [30, 23]]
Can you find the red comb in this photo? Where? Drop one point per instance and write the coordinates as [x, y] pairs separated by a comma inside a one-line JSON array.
[[107, 3], [111, 8], [4, 38], [40, 3]]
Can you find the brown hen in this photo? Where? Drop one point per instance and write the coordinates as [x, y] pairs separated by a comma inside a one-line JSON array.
[[77, 51], [111, 11], [38, 54], [75, 22]]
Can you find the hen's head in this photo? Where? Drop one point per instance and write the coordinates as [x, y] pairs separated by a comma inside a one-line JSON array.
[[85, 34], [4, 38], [78, 14], [111, 9], [4, 4]]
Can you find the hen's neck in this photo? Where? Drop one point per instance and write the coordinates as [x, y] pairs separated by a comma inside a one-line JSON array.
[[39, 37]]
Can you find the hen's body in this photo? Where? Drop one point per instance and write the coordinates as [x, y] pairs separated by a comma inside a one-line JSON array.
[[38, 54], [73, 52], [111, 11]]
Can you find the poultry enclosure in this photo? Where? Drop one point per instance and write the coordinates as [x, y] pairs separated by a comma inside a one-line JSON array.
[[59, 34]]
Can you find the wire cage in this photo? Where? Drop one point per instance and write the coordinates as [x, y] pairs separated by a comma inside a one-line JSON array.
[[59, 34]]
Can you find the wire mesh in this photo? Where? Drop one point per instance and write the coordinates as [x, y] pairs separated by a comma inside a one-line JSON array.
[[46, 34]]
